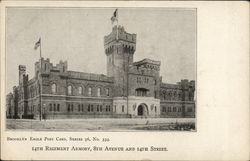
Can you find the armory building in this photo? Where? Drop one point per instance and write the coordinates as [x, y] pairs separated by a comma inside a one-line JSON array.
[[130, 89]]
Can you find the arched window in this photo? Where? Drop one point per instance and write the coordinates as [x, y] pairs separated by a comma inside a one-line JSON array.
[[69, 90], [53, 88], [98, 92], [89, 91], [107, 91], [80, 90]]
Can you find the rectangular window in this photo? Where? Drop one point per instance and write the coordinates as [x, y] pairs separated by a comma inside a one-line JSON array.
[[122, 108], [190, 109], [97, 108], [88, 108], [68, 107], [79, 108], [54, 107], [50, 107], [58, 107]]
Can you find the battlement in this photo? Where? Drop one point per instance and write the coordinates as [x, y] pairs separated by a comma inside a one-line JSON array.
[[148, 64], [183, 84], [89, 76], [120, 35], [47, 66]]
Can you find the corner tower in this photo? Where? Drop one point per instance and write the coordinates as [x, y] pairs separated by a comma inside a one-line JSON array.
[[119, 49]]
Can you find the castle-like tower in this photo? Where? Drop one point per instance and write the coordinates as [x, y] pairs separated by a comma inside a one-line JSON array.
[[119, 47]]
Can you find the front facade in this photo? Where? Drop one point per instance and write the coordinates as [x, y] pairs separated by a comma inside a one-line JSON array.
[[130, 89]]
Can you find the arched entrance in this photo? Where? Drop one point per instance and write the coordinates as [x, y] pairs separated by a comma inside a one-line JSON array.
[[142, 110]]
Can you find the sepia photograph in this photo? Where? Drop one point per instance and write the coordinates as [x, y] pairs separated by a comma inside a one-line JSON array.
[[100, 69]]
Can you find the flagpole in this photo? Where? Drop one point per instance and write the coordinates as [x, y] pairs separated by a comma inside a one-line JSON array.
[[117, 24], [41, 79]]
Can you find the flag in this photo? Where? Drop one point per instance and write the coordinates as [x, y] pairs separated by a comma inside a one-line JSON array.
[[115, 16], [37, 44]]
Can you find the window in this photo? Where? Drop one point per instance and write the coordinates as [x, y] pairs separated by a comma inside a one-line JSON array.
[[101, 108], [54, 107], [98, 92], [174, 109], [163, 109], [155, 109], [97, 108], [72, 107], [58, 107], [122, 108], [68, 108], [155, 82], [169, 109], [190, 109], [179, 109], [155, 94], [79, 108], [88, 108], [69, 90], [89, 91], [53, 88], [107, 92], [80, 90], [50, 107], [141, 92]]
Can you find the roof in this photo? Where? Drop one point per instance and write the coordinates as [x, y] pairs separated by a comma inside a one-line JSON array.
[[147, 61]]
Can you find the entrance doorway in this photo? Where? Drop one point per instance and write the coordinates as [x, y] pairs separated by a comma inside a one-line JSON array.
[[142, 110]]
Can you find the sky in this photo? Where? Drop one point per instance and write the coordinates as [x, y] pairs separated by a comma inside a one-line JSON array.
[[77, 35]]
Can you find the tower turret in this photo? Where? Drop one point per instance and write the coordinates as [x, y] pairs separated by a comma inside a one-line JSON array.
[[119, 49]]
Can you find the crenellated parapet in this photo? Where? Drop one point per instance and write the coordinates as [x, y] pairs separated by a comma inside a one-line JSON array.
[[119, 34], [148, 64], [45, 67], [181, 91]]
